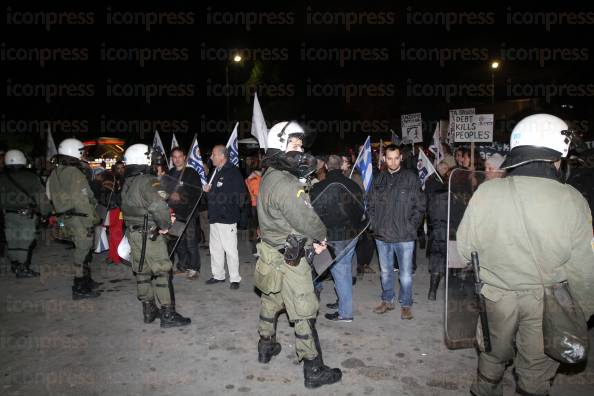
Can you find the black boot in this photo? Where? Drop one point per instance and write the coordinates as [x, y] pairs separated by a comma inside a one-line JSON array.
[[267, 348], [149, 311], [170, 318], [81, 290], [433, 285], [23, 271], [317, 374], [91, 284]]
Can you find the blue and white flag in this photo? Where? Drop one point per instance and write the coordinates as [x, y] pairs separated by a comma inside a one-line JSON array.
[[194, 161], [425, 168], [174, 144], [158, 146], [364, 164], [395, 138], [233, 147]]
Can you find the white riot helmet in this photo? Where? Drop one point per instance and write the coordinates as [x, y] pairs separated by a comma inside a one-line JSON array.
[[138, 154], [278, 136], [15, 158], [72, 148], [539, 137]]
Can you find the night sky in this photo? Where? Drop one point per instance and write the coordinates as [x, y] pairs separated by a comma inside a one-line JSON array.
[[344, 69]]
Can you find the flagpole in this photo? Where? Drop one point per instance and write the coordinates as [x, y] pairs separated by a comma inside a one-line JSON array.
[[357, 160]]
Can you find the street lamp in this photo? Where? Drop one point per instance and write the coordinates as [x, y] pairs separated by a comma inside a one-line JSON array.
[[494, 67], [237, 58]]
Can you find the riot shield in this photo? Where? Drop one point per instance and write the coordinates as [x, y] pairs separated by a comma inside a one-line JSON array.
[[344, 214], [461, 307]]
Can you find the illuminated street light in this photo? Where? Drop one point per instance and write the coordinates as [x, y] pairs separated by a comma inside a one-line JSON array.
[[237, 58], [494, 67]]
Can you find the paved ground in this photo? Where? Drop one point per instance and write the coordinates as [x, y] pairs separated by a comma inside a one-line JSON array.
[[51, 345]]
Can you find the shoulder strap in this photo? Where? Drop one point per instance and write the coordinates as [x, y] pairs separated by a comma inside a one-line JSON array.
[[515, 199], [20, 188]]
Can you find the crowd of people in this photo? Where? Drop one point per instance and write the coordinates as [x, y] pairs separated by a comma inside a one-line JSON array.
[[301, 210]]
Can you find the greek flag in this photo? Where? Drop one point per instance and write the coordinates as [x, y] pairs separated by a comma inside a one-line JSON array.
[[425, 168], [233, 147], [194, 161], [364, 164]]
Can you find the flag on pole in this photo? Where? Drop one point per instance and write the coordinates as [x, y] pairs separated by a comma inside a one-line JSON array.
[[395, 138], [364, 164], [380, 159], [233, 147], [259, 128], [51, 146], [425, 167], [436, 148], [195, 161], [158, 146], [174, 144]]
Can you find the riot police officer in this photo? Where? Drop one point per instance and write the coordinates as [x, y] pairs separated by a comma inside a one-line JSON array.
[[282, 273], [145, 212], [531, 232], [74, 204], [23, 199]]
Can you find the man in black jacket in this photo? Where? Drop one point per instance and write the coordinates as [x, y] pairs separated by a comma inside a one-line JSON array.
[[182, 183], [226, 192], [339, 202], [396, 209]]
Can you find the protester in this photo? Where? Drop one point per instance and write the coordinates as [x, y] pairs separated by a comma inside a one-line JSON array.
[[225, 193], [113, 183], [339, 203], [493, 165], [436, 190], [183, 186], [396, 208], [253, 186]]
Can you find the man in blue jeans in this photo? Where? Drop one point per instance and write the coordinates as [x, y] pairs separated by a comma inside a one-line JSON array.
[[396, 208], [338, 201]]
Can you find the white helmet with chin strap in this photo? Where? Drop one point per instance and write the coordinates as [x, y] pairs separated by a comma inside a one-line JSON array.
[[15, 158], [138, 154], [72, 148], [278, 136], [539, 137]]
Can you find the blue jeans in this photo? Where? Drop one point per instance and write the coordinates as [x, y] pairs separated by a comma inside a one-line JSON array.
[[404, 252], [342, 274]]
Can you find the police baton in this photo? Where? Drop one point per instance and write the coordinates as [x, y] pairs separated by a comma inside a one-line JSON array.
[[481, 299]]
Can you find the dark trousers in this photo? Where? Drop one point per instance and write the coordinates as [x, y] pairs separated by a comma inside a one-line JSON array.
[[188, 251], [364, 250]]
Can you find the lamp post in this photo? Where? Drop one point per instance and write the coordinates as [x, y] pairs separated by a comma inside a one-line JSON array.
[[236, 59], [494, 67]]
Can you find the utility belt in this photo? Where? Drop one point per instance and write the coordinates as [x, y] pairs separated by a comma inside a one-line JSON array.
[[139, 227], [29, 212], [153, 230], [71, 213]]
